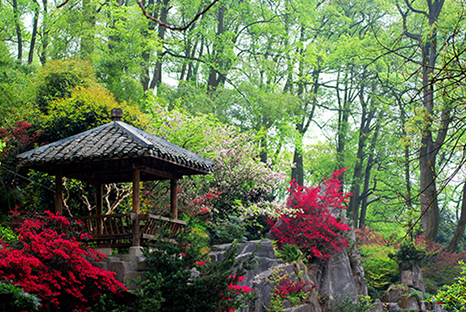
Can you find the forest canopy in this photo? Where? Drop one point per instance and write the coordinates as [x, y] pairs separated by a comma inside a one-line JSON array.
[[304, 87]]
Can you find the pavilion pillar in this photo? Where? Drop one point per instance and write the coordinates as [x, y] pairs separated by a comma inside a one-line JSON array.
[[59, 193], [136, 206], [98, 207], [173, 198]]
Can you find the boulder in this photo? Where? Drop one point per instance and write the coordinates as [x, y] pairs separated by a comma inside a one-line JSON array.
[[393, 307], [357, 268], [263, 284], [395, 293], [411, 303], [413, 278], [300, 308], [378, 306], [337, 280], [437, 307]]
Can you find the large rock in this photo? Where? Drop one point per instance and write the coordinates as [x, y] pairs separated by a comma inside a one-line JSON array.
[[337, 279], [265, 257], [264, 287], [437, 307], [404, 296], [413, 278], [300, 308], [378, 306], [395, 293], [357, 268]]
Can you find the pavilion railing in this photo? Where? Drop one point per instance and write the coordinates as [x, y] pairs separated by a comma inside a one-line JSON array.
[[116, 230], [153, 224]]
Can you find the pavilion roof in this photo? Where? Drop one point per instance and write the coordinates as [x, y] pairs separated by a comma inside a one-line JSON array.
[[108, 153]]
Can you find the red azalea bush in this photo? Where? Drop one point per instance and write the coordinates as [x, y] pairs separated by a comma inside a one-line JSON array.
[[49, 263], [309, 223], [289, 288]]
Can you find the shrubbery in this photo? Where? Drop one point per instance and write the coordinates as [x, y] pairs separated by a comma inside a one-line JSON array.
[[310, 224], [49, 262], [14, 299], [453, 297], [380, 270], [184, 279]]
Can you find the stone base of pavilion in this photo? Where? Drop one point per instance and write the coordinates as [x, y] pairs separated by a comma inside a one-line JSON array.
[[129, 268]]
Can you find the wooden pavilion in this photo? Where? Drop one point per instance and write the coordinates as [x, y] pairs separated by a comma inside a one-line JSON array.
[[117, 152]]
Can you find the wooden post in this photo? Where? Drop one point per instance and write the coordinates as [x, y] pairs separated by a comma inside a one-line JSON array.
[[173, 198], [98, 208], [136, 225], [59, 193]]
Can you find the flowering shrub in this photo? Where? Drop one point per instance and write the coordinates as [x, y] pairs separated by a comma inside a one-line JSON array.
[[19, 138], [238, 173], [310, 225], [16, 139], [453, 297], [49, 263], [295, 291], [186, 280]]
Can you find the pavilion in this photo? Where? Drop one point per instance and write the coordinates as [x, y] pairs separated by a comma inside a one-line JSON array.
[[117, 152]]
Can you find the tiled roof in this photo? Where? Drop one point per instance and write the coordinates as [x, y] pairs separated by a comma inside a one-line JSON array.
[[112, 141]]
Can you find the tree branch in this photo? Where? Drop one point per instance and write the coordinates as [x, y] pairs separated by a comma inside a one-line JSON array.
[[148, 16], [416, 11]]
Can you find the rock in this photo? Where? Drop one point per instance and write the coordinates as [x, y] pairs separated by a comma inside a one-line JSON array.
[[411, 303], [120, 267], [337, 280], [300, 308], [437, 307], [395, 293], [393, 307], [357, 268], [378, 306], [256, 278], [413, 278], [263, 284]]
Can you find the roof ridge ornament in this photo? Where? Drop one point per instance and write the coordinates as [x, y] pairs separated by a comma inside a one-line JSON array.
[[116, 114]]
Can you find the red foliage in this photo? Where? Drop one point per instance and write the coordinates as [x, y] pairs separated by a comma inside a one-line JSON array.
[[442, 260], [310, 225], [18, 138], [367, 236], [288, 287], [46, 262], [203, 205]]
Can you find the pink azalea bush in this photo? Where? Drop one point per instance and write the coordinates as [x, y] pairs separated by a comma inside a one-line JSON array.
[[239, 176]]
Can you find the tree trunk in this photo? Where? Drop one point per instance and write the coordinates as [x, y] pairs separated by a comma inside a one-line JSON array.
[[87, 39], [461, 224], [429, 147], [157, 79], [34, 32], [367, 176], [364, 129], [145, 77], [214, 74], [19, 36], [45, 34], [297, 172]]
